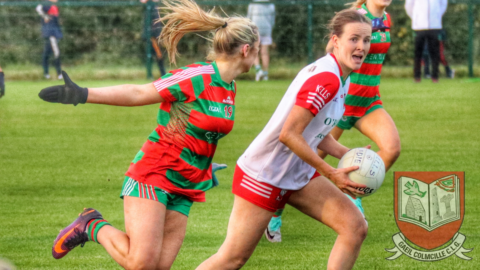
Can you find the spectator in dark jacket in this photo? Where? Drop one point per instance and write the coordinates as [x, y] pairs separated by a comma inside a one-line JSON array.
[[52, 33], [156, 29]]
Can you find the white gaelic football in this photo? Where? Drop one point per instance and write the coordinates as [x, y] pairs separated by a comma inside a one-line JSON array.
[[371, 172]]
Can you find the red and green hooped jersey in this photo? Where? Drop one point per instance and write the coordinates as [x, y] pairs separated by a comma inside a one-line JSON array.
[[198, 110], [364, 94]]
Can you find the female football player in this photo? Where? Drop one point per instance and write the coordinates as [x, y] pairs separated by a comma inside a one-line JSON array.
[[363, 107], [279, 165], [173, 168]]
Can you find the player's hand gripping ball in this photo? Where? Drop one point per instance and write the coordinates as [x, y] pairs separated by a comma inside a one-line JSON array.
[[371, 172]]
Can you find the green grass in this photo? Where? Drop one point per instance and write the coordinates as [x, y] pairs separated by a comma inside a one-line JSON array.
[[280, 69], [57, 159]]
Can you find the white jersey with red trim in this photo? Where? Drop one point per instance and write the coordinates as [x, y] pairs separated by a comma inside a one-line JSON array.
[[318, 88]]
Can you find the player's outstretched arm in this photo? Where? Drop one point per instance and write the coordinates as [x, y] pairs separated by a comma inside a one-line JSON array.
[[120, 95]]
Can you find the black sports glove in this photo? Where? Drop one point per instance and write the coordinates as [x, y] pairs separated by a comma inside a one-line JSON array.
[[70, 93]]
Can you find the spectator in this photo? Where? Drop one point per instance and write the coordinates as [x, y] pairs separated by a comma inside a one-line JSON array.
[[263, 15], [156, 29], [426, 18], [2, 83], [449, 73], [52, 33]]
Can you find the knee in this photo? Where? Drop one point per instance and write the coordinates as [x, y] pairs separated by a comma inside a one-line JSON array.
[[238, 262], [233, 261], [391, 152], [356, 230], [361, 230], [138, 263], [395, 151]]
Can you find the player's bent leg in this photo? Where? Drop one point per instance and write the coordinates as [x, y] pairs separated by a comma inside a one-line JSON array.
[[336, 133], [173, 235], [380, 128], [140, 247], [323, 201], [245, 229]]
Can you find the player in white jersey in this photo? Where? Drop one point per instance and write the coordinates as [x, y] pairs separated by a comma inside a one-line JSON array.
[[320, 89], [279, 166]]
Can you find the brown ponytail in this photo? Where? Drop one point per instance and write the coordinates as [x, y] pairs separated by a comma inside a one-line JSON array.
[[185, 16]]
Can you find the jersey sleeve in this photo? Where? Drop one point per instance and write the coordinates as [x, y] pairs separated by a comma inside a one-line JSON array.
[[389, 20], [317, 91], [176, 86]]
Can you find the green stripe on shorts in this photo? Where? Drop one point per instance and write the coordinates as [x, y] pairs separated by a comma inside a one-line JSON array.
[[347, 122], [173, 202]]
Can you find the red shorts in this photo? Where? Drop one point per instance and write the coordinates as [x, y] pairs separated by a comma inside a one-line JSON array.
[[261, 194]]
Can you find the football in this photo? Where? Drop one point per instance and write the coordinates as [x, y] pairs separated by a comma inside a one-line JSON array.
[[371, 172]]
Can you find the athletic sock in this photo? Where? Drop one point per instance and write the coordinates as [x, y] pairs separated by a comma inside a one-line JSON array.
[[278, 213], [93, 226], [275, 223], [258, 68]]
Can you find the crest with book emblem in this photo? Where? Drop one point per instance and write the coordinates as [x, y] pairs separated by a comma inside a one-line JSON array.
[[429, 211]]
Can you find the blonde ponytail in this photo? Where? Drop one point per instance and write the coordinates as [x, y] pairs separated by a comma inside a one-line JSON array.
[[185, 16]]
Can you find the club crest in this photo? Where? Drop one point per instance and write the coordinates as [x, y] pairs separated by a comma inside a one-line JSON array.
[[429, 211]]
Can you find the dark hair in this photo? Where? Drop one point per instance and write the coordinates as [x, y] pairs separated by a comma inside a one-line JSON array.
[[344, 17]]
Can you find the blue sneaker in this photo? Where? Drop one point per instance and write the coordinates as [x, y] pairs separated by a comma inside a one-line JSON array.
[[272, 233]]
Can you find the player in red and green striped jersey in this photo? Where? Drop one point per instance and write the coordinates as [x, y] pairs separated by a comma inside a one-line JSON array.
[[173, 168], [363, 107]]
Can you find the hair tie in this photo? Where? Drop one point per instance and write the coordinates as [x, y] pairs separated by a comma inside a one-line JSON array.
[[225, 25]]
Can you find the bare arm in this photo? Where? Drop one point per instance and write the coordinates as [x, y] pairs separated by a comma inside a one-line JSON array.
[[291, 136], [332, 147], [125, 95]]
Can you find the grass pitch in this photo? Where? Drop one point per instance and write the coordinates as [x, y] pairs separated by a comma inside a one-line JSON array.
[[57, 159]]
